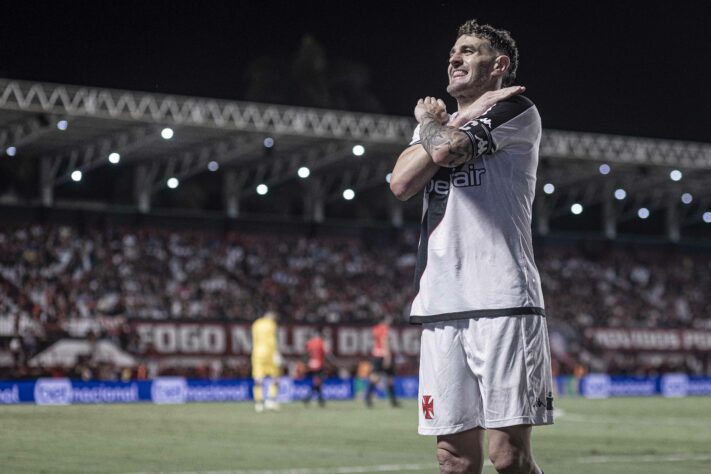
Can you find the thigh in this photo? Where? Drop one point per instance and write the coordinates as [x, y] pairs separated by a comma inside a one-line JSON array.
[[377, 363], [390, 369], [315, 375], [448, 391], [258, 370], [272, 370]]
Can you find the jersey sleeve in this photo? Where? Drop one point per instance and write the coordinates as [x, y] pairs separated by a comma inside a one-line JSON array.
[[415, 136], [488, 132]]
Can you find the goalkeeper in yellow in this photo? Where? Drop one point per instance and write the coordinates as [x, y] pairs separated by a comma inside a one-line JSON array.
[[265, 361]]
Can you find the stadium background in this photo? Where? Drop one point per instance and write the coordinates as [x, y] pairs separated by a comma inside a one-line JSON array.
[[165, 175]]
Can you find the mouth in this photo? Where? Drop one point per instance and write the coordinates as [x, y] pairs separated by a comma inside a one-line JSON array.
[[458, 74]]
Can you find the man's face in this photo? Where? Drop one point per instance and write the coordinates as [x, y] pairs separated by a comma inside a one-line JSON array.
[[471, 62]]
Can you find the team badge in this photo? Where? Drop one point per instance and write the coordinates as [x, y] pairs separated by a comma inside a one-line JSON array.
[[428, 407]]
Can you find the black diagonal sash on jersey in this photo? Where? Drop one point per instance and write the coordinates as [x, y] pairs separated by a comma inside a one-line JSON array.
[[490, 133], [436, 205]]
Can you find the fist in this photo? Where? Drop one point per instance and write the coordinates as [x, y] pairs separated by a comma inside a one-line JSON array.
[[431, 106]]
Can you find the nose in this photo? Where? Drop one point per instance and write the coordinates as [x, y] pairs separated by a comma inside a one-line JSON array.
[[455, 59]]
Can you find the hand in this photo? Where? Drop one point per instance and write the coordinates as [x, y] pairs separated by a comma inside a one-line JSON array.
[[484, 103], [433, 106]]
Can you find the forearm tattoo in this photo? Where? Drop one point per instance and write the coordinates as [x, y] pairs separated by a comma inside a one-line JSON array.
[[435, 136]]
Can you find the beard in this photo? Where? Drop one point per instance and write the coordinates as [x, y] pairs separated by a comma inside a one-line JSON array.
[[474, 86], [456, 88]]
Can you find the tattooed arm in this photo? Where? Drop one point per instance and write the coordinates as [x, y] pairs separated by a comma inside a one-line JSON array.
[[415, 168], [441, 145], [447, 146]]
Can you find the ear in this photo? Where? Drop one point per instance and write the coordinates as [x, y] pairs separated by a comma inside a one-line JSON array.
[[501, 65]]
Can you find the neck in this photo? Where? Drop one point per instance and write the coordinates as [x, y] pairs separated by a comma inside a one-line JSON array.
[[466, 98], [463, 101]]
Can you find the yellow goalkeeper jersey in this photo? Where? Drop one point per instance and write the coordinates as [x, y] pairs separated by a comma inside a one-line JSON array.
[[264, 338]]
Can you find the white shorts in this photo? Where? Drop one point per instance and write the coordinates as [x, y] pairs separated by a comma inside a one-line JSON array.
[[484, 372]]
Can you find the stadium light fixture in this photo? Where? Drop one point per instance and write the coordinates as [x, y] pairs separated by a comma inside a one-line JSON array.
[[358, 150], [268, 142], [262, 189], [676, 175], [388, 177], [620, 194], [604, 168], [213, 166], [348, 194], [167, 133], [76, 175], [173, 183], [11, 151], [643, 213], [707, 217], [62, 125], [548, 188], [114, 158], [304, 172], [576, 208], [686, 198]]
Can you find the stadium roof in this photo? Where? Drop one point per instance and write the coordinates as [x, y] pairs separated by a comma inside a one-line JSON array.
[[64, 129]]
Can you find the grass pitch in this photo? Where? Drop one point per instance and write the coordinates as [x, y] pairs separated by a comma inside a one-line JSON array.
[[630, 435]]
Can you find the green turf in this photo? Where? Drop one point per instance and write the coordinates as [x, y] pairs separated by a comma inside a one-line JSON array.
[[633, 435]]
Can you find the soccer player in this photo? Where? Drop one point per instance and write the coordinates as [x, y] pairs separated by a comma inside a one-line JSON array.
[[383, 364], [317, 353], [265, 361], [485, 359]]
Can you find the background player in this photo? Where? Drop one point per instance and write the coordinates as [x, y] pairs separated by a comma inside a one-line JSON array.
[[266, 360], [383, 363], [317, 352]]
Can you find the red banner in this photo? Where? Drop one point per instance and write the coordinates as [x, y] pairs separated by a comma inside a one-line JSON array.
[[641, 339], [225, 339]]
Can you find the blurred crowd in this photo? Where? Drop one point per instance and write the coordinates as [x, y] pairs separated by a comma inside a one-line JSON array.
[[58, 274], [623, 288], [54, 275]]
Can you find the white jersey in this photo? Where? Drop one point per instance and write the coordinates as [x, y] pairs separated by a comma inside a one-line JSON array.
[[475, 256]]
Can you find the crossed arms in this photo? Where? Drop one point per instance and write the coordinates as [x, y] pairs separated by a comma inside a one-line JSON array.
[[442, 143]]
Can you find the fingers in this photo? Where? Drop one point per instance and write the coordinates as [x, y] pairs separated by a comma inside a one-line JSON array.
[[441, 103], [505, 92], [510, 91]]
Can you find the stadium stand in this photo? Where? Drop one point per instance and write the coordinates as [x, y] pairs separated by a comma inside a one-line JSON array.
[[52, 276], [625, 308]]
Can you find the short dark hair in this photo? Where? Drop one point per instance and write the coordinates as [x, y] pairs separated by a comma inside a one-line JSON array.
[[500, 40]]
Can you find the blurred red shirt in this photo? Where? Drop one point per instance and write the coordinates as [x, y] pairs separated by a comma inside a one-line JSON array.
[[380, 337], [317, 353]]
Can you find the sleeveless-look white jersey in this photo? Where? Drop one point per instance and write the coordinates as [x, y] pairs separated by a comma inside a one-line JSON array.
[[475, 256]]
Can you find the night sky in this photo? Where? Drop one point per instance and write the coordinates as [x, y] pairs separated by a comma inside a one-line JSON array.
[[635, 68]]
